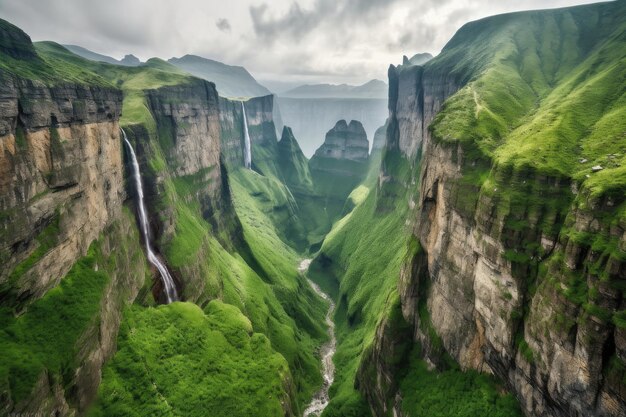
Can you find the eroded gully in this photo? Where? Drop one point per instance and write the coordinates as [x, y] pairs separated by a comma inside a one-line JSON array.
[[320, 399]]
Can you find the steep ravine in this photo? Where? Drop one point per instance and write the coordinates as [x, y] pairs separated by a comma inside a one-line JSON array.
[[327, 351], [519, 264], [475, 264]]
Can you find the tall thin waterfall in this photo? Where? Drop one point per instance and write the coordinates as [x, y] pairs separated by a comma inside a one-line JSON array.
[[168, 281], [247, 150]]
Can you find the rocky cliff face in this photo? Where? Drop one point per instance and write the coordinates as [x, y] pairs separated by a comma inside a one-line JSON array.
[[188, 127], [499, 311], [188, 137], [519, 270], [345, 142], [61, 191], [310, 117], [259, 113], [61, 167], [415, 97]]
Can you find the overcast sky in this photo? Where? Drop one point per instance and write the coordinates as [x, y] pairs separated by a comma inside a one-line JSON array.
[[301, 41]]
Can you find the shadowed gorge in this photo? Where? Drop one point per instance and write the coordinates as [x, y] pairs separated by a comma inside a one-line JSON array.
[[168, 248]]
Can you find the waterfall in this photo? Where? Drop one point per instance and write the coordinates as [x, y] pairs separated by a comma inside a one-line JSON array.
[[247, 150], [168, 281]]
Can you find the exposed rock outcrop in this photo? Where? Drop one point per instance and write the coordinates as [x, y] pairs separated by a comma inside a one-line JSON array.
[[345, 142], [60, 163], [380, 137], [520, 276], [310, 117], [188, 116], [260, 116]]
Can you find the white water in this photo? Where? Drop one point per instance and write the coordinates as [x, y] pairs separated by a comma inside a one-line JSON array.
[[320, 399], [247, 150], [168, 281]]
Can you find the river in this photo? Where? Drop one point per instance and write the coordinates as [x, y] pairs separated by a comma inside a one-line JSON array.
[[320, 399]]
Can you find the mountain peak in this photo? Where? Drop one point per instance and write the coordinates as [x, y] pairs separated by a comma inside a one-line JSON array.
[[130, 60]]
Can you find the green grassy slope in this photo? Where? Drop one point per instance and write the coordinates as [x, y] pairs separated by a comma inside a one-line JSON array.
[[249, 268], [358, 264], [546, 90], [246, 266], [133, 81], [20, 59], [47, 339], [179, 360], [546, 98]]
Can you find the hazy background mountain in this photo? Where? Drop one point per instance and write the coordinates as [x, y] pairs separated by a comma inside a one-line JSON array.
[[371, 89], [230, 80], [129, 60], [311, 110]]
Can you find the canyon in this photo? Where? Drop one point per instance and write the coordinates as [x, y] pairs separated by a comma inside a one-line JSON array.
[[165, 252]]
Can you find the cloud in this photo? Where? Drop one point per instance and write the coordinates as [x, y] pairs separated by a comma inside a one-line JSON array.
[[307, 40], [223, 25], [298, 21]]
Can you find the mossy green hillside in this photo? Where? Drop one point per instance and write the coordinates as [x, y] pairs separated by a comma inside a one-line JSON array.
[[541, 122], [133, 81], [180, 360], [47, 338], [20, 59], [358, 264], [545, 90], [243, 263], [453, 393]]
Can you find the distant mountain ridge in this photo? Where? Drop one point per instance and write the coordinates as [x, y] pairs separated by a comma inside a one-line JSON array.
[[371, 89], [230, 80], [129, 60]]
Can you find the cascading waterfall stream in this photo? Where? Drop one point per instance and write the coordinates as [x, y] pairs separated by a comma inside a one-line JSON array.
[[247, 150], [168, 281]]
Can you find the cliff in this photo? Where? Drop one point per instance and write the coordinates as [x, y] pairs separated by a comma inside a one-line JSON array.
[[259, 115], [75, 263], [520, 262], [60, 155], [345, 142], [310, 118], [64, 231]]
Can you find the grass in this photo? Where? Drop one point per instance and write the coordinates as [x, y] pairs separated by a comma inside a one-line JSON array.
[[546, 89], [255, 272], [453, 393], [45, 337], [49, 338], [180, 360], [359, 266]]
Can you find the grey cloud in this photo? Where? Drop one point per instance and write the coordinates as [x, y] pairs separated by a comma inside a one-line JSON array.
[[309, 40], [223, 25], [297, 22]]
